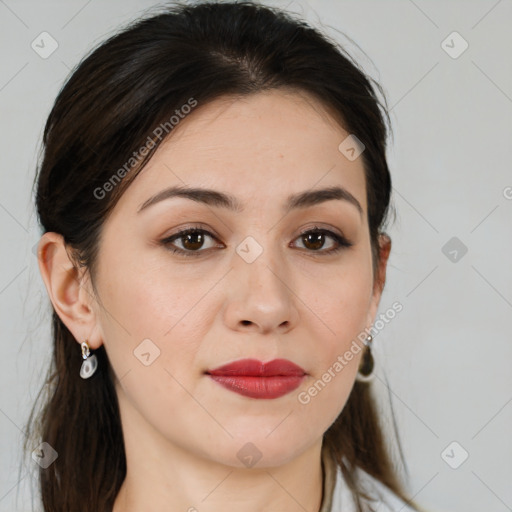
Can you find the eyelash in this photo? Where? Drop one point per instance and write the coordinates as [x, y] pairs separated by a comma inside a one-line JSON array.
[[343, 243]]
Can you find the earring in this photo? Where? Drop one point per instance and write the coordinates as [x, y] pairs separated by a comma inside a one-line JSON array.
[[89, 364], [365, 372]]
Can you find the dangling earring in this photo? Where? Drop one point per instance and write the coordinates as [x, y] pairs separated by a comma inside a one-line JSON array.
[[90, 363], [365, 372]]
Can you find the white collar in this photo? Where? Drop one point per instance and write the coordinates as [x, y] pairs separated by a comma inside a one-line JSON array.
[[337, 496]]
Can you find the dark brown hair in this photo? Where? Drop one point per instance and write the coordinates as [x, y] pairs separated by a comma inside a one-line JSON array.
[[110, 107]]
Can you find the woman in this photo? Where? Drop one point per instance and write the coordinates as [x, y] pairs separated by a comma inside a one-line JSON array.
[[212, 194]]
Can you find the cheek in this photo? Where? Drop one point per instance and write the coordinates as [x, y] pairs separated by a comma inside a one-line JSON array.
[[152, 336], [341, 307], [336, 356], [342, 302], [148, 317], [149, 300]]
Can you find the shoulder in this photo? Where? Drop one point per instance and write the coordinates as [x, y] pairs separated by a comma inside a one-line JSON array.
[[383, 499]]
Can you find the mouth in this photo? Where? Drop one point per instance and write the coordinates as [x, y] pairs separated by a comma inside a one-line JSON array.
[[255, 379]]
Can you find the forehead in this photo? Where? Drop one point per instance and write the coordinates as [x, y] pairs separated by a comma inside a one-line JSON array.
[[261, 148]]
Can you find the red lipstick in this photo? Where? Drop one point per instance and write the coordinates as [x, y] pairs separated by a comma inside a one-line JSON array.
[[255, 379]]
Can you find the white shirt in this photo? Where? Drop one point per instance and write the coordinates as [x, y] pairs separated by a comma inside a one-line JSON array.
[[338, 496]]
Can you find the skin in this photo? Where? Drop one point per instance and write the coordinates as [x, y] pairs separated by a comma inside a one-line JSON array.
[[182, 430]]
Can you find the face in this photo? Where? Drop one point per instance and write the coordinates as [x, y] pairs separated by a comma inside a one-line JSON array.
[[245, 284]]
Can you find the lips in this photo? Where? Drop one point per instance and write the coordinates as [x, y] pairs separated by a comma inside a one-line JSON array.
[[255, 379], [255, 368]]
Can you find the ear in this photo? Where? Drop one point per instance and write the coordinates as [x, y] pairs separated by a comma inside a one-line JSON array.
[[71, 297], [380, 277]]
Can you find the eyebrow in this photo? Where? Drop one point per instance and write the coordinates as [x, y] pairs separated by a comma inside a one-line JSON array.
[[222, 200]]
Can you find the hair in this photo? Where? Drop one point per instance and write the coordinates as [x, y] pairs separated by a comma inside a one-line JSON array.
[[115, 103]]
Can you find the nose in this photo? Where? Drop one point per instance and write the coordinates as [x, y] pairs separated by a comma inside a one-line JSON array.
[[260, 296]]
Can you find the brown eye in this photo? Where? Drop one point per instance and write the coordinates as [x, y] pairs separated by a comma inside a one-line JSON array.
[[314, 240], [192, 241]]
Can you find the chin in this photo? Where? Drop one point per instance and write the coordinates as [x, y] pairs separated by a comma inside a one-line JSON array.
[[258, 451]]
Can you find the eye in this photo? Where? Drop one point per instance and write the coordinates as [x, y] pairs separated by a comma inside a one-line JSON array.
[[193, 239], [314, 239]]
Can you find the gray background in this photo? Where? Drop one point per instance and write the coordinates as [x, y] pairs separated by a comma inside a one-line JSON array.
[[447, 355]]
